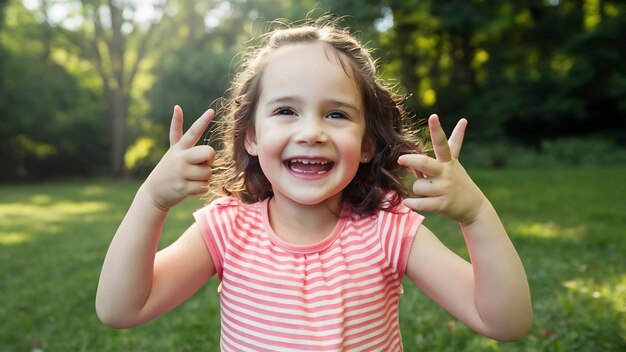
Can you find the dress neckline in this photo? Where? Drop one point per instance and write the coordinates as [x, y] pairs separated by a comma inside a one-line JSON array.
[[306, 248]]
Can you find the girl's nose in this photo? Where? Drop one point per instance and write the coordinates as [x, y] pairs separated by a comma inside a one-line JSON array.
[[312, 130]]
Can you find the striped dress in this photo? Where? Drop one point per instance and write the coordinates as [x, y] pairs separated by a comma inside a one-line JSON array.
[[339, 294]]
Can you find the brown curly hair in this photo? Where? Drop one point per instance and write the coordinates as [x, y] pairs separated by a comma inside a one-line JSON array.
[[379, 184]]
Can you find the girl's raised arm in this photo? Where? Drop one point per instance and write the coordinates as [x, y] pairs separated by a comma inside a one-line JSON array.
[[491, 294], [136, 283]]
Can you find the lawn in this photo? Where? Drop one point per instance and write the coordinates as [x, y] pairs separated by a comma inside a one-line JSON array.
[[568, 224]]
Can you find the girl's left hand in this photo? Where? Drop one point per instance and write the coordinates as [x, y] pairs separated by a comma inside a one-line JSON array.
[[445, 187]]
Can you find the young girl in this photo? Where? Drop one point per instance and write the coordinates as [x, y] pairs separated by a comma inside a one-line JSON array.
[[314, 230]]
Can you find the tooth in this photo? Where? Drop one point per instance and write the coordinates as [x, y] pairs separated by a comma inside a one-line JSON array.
[[308, 162]]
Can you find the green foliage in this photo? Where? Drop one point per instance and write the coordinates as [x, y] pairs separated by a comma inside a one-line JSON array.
[[567, 225], [194, 79], [525, 71], [142, 156], [51, 124], [591, 151], [522, 72]]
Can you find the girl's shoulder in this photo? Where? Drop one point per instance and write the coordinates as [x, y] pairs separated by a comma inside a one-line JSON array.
[[221, 213], [397, 209], [387, 213], [392, 204], [230, 205], [225, 201]]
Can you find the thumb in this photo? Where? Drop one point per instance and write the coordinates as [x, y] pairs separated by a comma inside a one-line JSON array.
[[427, 204], [176, 127]]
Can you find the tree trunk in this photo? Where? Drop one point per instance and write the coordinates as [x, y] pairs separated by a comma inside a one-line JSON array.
[[117, 75], [119, 115]]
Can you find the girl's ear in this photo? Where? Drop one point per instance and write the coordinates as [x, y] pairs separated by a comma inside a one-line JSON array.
[[367, 150], [250, 142]]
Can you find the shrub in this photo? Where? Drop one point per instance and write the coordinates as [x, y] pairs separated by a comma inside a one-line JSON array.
[[588, 151]]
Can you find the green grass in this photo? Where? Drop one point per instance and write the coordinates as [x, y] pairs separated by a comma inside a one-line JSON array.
[[568, 225]]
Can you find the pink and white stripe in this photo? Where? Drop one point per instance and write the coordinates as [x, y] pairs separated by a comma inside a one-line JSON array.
[[339, 294]]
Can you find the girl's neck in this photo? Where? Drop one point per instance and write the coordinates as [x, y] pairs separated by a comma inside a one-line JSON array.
[[302, 224]]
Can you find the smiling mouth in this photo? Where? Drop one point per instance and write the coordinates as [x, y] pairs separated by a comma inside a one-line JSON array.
[[309, 167]]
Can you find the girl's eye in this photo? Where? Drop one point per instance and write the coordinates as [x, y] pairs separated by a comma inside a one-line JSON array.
[[284, 111], [337, 115]]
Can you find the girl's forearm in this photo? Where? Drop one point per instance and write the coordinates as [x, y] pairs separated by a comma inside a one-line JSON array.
[[127, 272], [502, 294]]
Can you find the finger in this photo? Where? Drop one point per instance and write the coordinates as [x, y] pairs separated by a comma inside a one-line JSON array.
[[201, 154], [423, 204], [439, 139], [422, 164], [198, 172], [176, 127], [197, 188], [427, 187], [193, 134], [456, 138]]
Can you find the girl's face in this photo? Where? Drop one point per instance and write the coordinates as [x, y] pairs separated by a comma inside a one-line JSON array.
[[309, 125]]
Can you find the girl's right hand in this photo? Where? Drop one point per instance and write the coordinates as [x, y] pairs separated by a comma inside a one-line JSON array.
[[185, 169]]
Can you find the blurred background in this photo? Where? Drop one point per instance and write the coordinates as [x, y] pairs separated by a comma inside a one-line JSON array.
[[87, 87]]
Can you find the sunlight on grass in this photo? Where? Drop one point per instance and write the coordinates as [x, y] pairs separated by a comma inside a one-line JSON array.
[[41, 199], [12, 238], [43, 215], [93, 190], [80, 208], [612, 292], [54, 211], [546, 230]]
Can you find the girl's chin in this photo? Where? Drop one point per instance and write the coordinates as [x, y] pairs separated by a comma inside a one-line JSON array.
[[312, 198]]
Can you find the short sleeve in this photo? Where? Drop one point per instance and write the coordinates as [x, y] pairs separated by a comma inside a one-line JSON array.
[[216, 222], [397, 229]]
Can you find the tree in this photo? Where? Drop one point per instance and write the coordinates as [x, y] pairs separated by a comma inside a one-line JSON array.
[[525, 71], [51, 123], [203, 46], [116, 65], [3, 4], [202, 56], [115, 42]]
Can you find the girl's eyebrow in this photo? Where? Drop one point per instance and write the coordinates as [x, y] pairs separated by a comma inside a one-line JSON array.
[[283, 100], [346, 105], [330, 102]]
